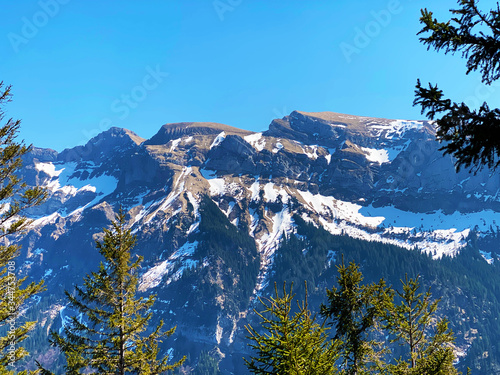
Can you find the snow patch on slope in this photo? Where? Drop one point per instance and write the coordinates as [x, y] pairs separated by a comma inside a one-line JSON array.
[[64, 179], [48, 168], [435, 233], [45, 220], [270, 192], [175, 193], [487, 256], [218, 331], [267, 244], [339, 209], [311, 152], [376, 156], [175, 143], [395, 129], [255, 189], [180, 258], [217, 186], [256, 140], [66, 318], [277, 147], [218, 140], [432, 221]]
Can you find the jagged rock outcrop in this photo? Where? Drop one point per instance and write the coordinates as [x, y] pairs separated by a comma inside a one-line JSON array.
[[101, 146]]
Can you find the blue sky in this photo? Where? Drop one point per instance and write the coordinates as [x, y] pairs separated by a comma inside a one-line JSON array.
[[78, 67]]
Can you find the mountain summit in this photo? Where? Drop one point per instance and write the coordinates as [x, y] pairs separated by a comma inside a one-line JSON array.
[[174, 131]]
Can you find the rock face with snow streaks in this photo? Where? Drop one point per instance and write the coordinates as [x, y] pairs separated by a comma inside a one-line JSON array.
[[211, 205]]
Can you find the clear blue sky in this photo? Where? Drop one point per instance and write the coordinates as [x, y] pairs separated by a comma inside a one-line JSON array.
[[78, 67]]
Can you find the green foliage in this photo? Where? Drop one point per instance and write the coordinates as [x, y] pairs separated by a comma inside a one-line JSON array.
[[355, 310], [15, 198], [287, 343], [207, 365], [110, 336], [469, 134], [293, 343], [468, 287], [411, 323]]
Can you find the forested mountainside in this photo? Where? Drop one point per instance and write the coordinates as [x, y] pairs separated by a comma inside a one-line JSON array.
[[221, 214]]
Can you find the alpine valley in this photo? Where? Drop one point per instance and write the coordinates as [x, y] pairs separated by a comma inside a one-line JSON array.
[[222, 214]]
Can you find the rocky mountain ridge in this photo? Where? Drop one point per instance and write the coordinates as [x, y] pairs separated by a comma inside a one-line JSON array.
[[370, 179]]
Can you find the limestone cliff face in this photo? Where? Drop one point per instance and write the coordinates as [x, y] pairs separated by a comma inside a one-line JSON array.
[[174, 131], [210, 205]]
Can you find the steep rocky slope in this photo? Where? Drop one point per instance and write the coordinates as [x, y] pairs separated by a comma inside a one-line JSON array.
[[211, 205]]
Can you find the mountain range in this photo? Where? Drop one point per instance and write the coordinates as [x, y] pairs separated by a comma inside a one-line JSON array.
[[221, 214]]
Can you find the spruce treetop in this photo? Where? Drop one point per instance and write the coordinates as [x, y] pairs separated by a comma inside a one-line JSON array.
[[468, 134]]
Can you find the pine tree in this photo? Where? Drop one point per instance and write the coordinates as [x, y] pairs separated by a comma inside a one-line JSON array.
[[469, 135], [15, 198], [292, 343], [355, 311], [111, 338], [412, 322]]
